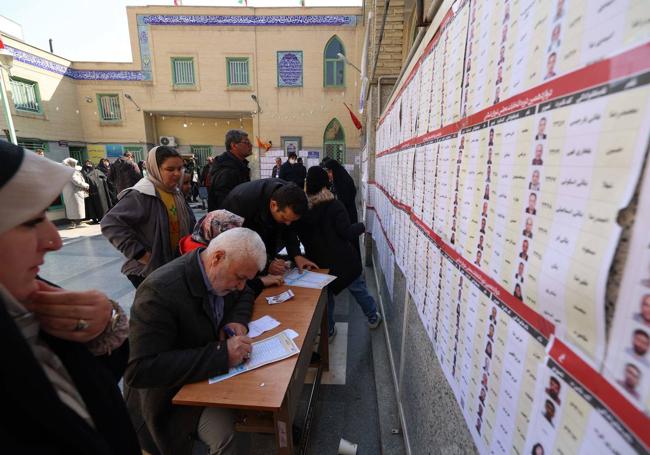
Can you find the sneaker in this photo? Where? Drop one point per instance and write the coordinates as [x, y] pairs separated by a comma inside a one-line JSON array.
[[374, 321], [331, 334]]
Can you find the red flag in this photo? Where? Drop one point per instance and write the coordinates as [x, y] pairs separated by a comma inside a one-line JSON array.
[[262, 145], [354, 118]]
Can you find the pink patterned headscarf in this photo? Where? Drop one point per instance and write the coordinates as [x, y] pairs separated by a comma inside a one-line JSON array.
[[214, 223]]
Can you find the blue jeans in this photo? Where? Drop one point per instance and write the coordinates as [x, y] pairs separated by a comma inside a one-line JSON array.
[[359, 291]]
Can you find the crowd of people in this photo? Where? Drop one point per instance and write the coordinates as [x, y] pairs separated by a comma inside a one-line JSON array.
[[196, 286]]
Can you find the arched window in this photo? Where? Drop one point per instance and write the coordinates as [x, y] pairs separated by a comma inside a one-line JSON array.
[[334, 141], [333, 68]]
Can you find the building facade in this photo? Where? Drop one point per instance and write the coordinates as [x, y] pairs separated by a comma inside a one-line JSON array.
[[196, 73]]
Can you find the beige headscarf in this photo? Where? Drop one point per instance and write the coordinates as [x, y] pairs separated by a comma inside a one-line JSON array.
[[153, 174]]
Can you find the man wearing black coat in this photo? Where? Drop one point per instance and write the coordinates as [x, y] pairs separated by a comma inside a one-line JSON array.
[[230, 168], [268, 207], [291, 171], [179, 322]]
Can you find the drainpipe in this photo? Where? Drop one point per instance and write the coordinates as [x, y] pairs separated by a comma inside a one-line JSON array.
[[381, 36], [419, 11], [364, 66], [433, 9]]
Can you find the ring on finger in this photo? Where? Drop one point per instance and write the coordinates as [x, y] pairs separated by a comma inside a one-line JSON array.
[[81, 325]]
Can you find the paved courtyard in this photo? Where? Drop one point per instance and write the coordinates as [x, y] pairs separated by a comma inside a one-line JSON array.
[[347, 403]]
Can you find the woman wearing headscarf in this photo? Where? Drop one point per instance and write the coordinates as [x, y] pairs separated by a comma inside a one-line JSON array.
[[329, 238], [151, 217], [74, 193], [99, 200], [210, 226], [104, 167], [342, 186], [63, 352]]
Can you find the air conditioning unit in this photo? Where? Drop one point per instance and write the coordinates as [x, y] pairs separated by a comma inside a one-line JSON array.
[[169, 141]]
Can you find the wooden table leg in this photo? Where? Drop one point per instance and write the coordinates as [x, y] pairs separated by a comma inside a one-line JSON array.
[[283, 430], [323, 344]]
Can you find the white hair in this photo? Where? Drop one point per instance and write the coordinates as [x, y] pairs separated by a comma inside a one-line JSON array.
[[239, 243]]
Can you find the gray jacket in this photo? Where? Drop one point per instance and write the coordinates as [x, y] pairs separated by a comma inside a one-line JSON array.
[[174, 342], [138, 223]]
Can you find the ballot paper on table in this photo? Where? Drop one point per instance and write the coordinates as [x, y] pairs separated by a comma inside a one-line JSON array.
[[261, 325], [282, 297], [307, 279], [269, 350]]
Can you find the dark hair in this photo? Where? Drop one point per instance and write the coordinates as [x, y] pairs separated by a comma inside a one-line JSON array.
[[338, 171], [535, 447], [163, 152], [317, 179], [291, 196], [641, 332], [292, 155], [331, 164], [234, 136], [127, 153], [300, 159]]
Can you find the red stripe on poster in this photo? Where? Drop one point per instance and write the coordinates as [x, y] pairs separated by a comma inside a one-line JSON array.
[[634, 61], [536, 320], [636, 421]]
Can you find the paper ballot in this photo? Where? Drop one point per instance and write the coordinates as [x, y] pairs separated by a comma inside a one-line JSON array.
[[261, 325], [307, 279], [283, 297], [269, 350]]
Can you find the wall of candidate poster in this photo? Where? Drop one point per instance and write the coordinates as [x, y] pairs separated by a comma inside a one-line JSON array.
[[502, 162]]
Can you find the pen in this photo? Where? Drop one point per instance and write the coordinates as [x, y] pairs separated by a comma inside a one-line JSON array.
[[229, 332]]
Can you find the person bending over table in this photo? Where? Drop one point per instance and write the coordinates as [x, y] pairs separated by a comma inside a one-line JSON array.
[[268, 207]]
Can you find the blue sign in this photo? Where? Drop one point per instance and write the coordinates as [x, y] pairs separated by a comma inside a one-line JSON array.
[[290, 69], [114, 150]]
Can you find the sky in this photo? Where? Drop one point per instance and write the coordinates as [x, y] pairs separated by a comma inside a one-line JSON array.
[[97, 30]]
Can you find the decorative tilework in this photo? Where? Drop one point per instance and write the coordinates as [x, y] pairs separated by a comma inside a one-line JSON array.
[[145, 52], [290, 69], [86, 75], [143, 23], [249, 20]]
